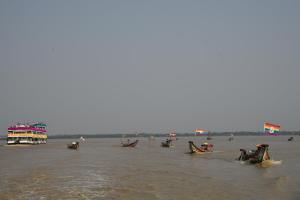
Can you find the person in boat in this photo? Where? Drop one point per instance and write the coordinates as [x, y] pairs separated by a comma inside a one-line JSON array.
[[204, 146], [291, 139], [257, 156]]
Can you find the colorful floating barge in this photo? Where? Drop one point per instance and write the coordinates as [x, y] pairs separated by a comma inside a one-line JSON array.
[[33, 133]]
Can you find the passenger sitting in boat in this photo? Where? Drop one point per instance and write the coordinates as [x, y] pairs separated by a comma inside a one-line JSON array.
[[207, 147], [263, 151]]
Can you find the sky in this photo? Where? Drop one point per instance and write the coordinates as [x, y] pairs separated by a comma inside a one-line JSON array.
[[98, 67]]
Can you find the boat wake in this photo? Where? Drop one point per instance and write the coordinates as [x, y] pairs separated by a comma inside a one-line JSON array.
[[270, 163], [264, 164]]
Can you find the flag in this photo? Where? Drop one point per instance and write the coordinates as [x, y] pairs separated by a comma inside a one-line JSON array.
[[272, 129]]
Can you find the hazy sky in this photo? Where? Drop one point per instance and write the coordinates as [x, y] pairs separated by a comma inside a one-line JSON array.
[[123, 66]]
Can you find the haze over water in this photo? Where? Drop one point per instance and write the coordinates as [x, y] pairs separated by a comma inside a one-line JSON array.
[[101, 169], [150, 66]]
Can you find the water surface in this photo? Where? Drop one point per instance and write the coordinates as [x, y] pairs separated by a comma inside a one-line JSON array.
[[101, 169]]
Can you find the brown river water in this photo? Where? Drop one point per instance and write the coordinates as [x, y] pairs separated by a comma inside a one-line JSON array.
[[101, 169]]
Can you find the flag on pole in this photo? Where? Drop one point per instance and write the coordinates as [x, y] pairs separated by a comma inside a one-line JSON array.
[[271, 129]]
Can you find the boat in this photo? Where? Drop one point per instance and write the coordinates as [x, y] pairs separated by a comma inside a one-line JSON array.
[[204, 148], [230, 138], [291, 139], [29, 133], [73, 145], [130, 144], [255, 156], [208, 136], [82, 138], [167, 143]]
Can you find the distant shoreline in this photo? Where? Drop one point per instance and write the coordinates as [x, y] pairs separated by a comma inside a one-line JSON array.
[[131, 135]]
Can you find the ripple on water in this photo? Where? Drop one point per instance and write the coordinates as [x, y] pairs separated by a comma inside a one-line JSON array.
[[47, 184]]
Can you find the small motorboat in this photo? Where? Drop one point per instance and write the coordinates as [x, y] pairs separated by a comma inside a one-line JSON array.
[[291, 139], [230, 138], [73, 145], [204, 148], [209, 136], [167, 143], [255, 156], [130, 144]]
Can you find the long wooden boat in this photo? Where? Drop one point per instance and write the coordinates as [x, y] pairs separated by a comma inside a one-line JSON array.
[[73, 145], [200, 150], [130, 144], [259, 155]]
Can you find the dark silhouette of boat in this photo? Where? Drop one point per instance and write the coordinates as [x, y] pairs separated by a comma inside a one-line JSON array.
[[255, 156], [208, 136], [73, 145], [291, 139], [130, 144], [167, 143], [204, 148]]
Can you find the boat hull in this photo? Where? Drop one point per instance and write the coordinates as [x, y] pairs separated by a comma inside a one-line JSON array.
[[132, 144], [28, 141], [200, 150]]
